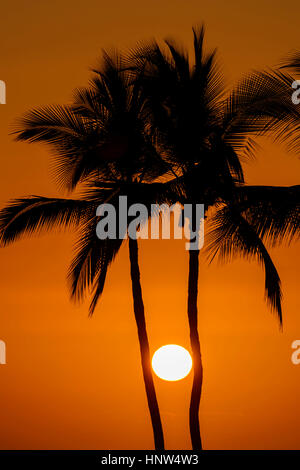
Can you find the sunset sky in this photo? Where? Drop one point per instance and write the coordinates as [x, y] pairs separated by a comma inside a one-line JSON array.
[[71, 382]]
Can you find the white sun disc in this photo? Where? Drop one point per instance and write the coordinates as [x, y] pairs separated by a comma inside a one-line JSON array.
[[172, 362]]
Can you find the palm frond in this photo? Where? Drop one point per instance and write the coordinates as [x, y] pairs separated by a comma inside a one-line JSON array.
[[50, 124], [232, 235], [273, 211], [261, 104], [292, 62], [90, 263], [34, 214]]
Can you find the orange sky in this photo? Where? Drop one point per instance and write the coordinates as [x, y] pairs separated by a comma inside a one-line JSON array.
[[75, 383]]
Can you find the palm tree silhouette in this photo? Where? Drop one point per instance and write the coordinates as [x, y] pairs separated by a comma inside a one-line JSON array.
[[159, 129], [205, 136], [101, 146]]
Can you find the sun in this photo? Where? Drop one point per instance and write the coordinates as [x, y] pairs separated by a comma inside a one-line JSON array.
[[172, 362]]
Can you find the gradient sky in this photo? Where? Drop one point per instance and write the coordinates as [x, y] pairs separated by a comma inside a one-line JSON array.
[[76, 383]]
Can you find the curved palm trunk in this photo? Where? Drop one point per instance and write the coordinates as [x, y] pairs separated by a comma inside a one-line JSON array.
[[196, 351], [144, 345]]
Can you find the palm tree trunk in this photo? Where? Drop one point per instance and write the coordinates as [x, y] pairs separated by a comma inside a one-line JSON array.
[[144, 345], [196, 351]]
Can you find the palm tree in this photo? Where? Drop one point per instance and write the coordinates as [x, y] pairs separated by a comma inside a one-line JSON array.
[[102, 146], [204, 137]]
